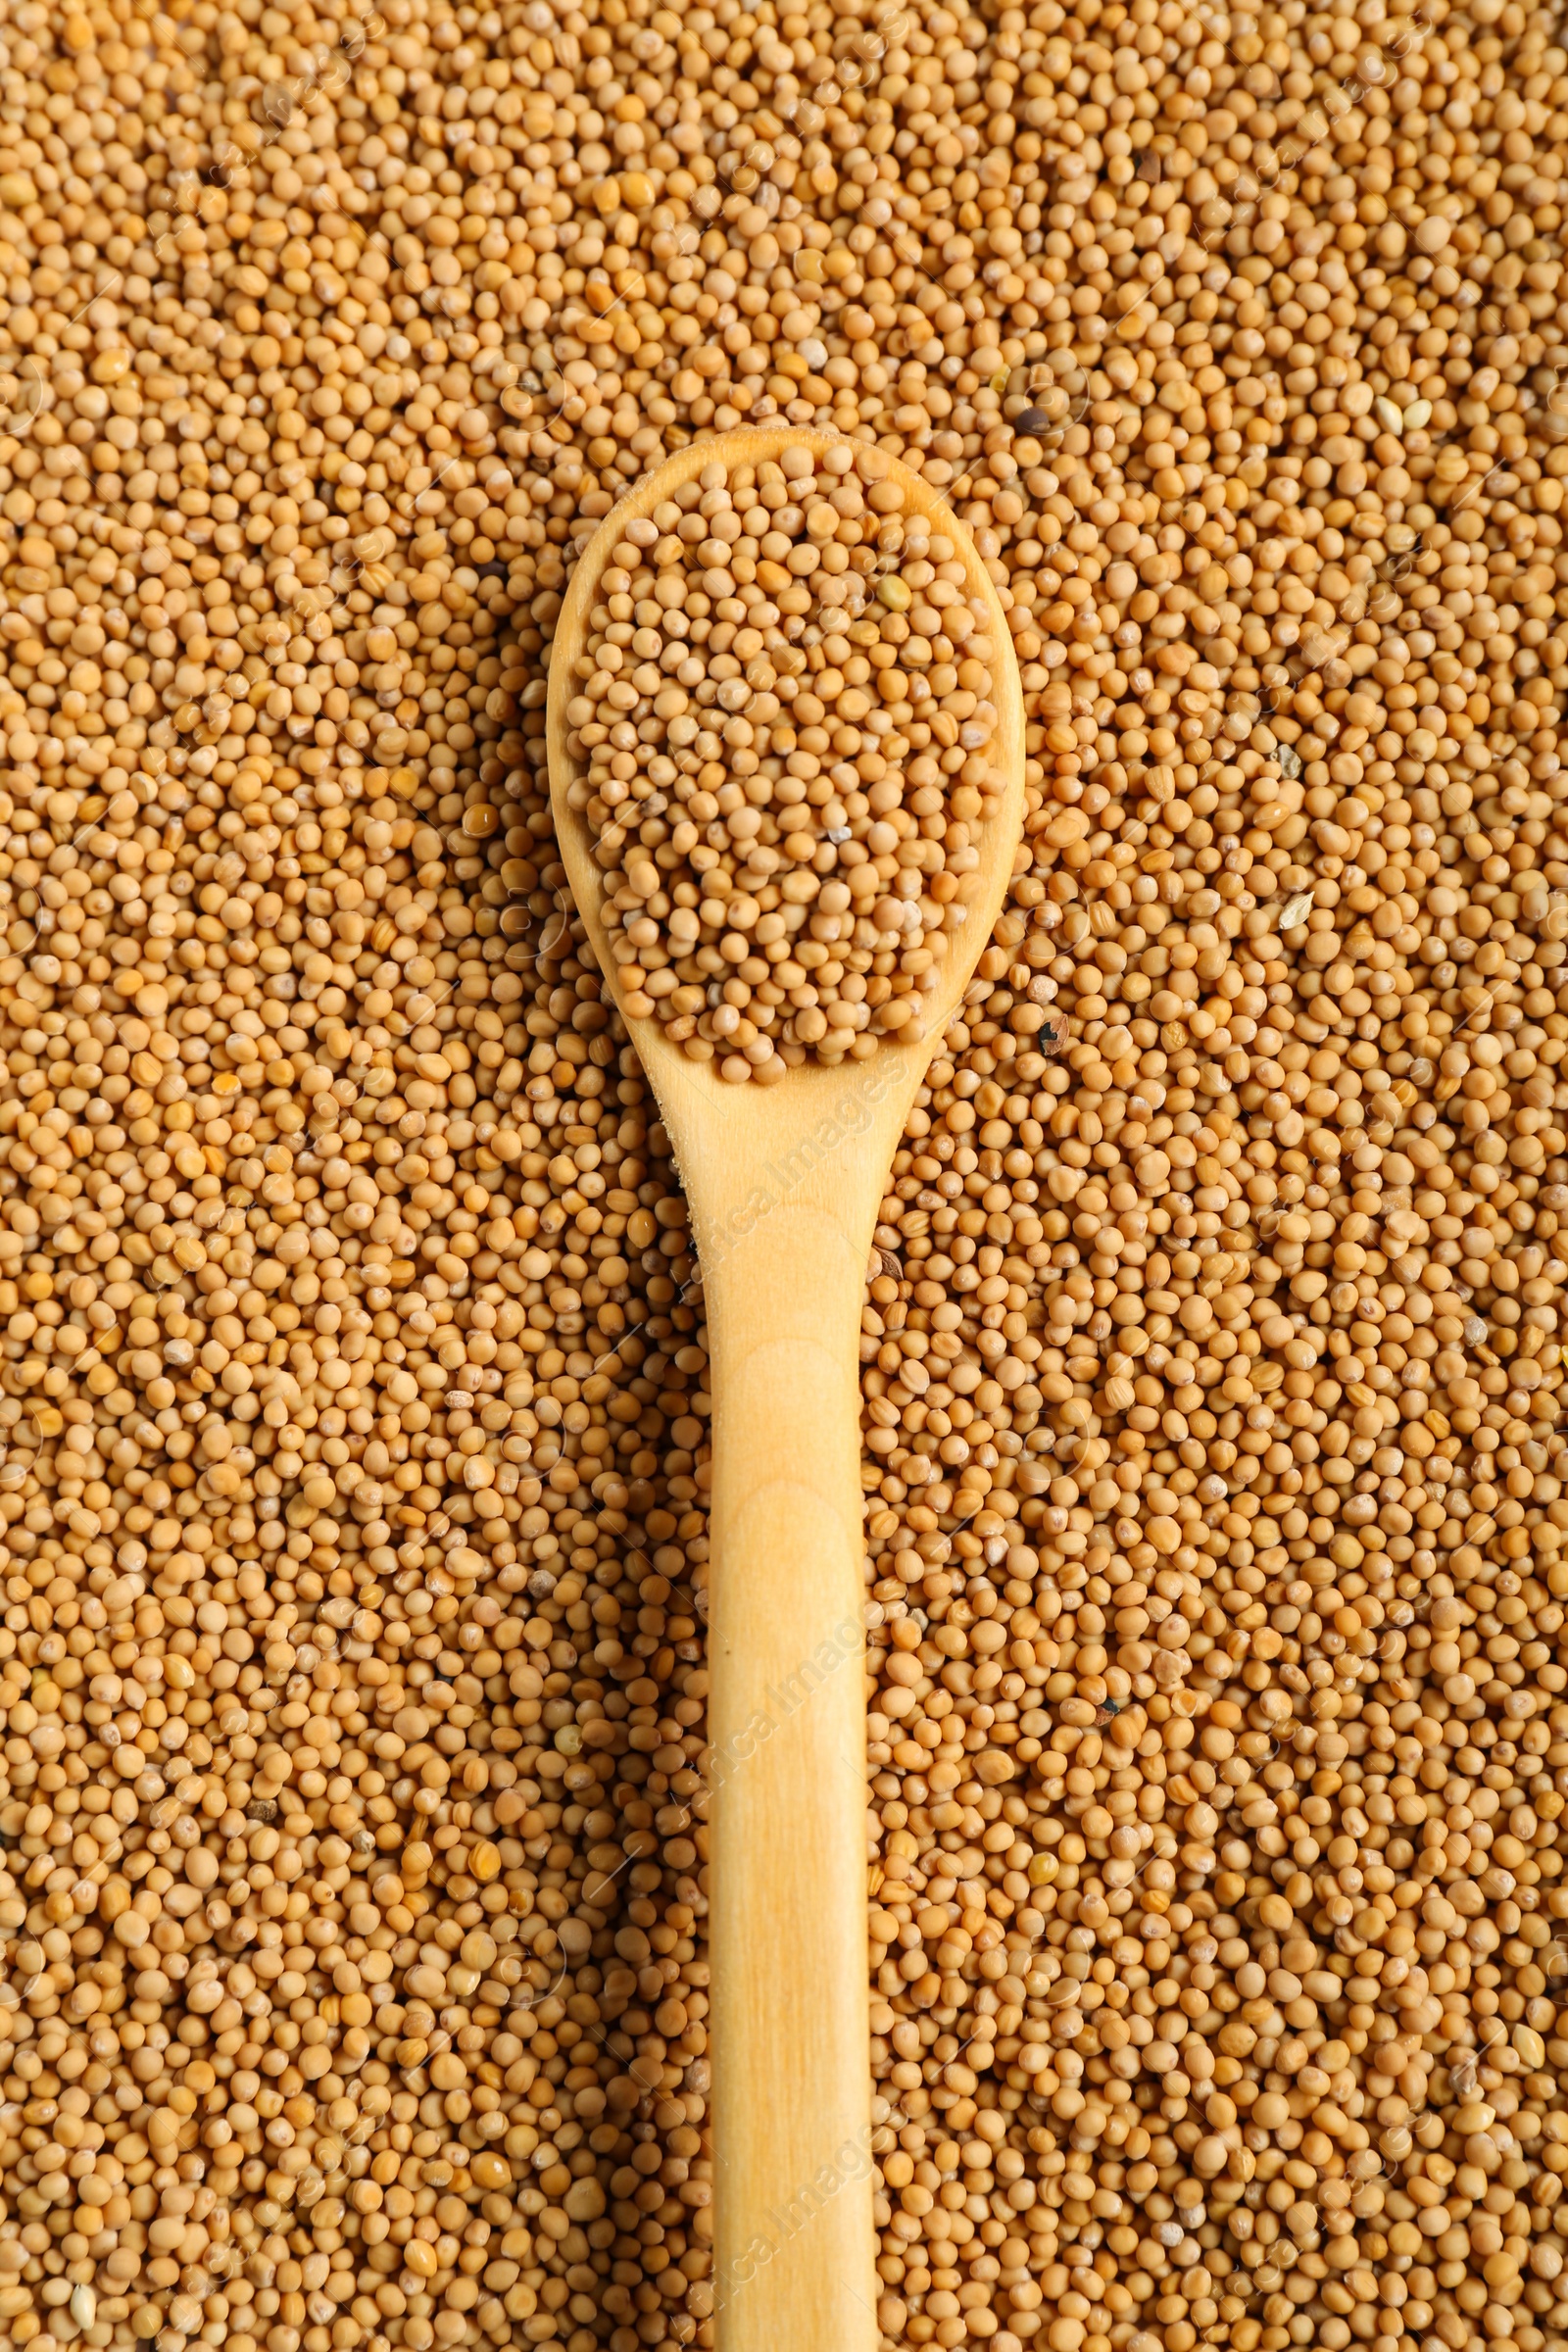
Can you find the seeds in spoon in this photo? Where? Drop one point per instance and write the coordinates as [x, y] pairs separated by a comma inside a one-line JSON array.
[[790, 739]]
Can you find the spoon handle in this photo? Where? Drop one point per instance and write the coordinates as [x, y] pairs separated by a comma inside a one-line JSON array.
[[787, 1707]]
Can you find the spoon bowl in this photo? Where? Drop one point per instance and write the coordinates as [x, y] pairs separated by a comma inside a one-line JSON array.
[[783, 1182]]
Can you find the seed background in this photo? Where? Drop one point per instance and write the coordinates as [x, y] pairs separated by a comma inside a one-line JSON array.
[[354, 1371]]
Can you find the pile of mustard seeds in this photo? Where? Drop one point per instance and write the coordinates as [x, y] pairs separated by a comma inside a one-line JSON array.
[[355, 1392], [799, 679]]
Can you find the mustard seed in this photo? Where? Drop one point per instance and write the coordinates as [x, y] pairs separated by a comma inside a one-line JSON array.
[[355, 1384], [786, 759]]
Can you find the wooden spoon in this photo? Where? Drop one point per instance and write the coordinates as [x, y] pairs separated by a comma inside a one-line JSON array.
[[783, 1184]]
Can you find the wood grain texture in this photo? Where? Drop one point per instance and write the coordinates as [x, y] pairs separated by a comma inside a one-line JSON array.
[[783, 1185]]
